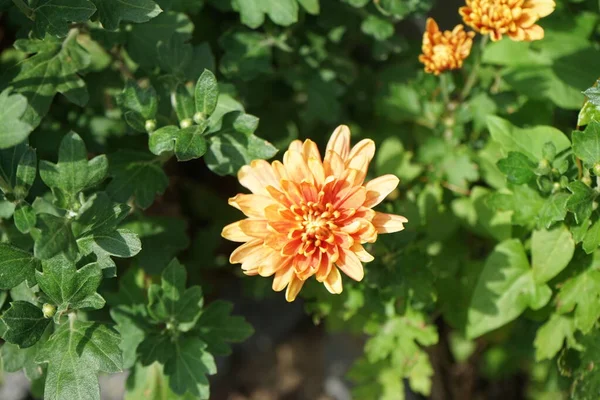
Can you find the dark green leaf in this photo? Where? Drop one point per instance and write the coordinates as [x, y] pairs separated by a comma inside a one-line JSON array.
[[98, 214], [132, 324], [138, 104], [206, 94], [55, 237], [25, 322], [53, 69], [282, 12], [519, 169], [112, 12], [182, 101], [175, 56], [247, 55], [16, 265], [52, 17], [155, 348], [26, 172], [75, 353], [136, 174], [9, 164], [235, 145], [190, 142], [24, 217], [377, 27], [70, 288], [581, 201], [120, 243], [12, 130], [586, 144], [188, 367]]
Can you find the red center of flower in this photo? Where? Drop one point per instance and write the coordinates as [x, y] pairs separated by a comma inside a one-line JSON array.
[[316, 226]]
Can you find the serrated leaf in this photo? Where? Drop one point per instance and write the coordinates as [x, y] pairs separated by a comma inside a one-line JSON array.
[[586, 144], [235, 145], [25, 322], [218, 328], [24, 217], [12, 130], [55, 237], [581, 201], [138, 104], [98, 214], [52, 17], [591, 241], [53, 58], [553, 210], [155, 348], [551, 252], [582, 293], [112, 12], [188, 367], [136, 174], [75, 354], [281, 12], [518, 168], [68, 287], [16, 265], [206, 93], [593, 94], [504, 290], [132, 325], [377, 27], [551, 336]]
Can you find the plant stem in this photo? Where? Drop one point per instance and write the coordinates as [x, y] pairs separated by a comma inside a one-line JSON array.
[[472, 78], [444, 88], [25, 9]]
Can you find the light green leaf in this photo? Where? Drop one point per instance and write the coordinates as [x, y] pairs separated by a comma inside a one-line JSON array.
[[553, 210], [252, 12], [551, 336], [311, 6], [591, 241], [551, 252], [24, 217], [75, 353], [586, 144], [12, 130], [112, 12], [581, 201], [504, 290], [132, 325], [377, 27], [529, 141], [519, 169], [16, 265], [582, 293], [25, 322]]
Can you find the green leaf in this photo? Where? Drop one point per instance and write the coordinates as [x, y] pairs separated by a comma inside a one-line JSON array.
[[68, 287], [53, 69], [553, 210], [112, 12], [247, 55], [505, 288], [75, 353], [235, 145], [151, 379], [528, 141], [206, 94], [551, 252], [182, 102], [138, 104], [12, 130], [136, 174], [519, 169], [586, 144], [24, 218], [582, 293], [551, 336], [311, 6], [175, 56], [73, 173], [25, 322], [377, 27], [188, 367], [252, 12], [26, 172], [52, 17], [16, 265], [391, 158], [593, 94], [132, 325], [121, 243], [581, 201], [98, 214], [591, 241], [218, 328], [55, 237], [10, 159]]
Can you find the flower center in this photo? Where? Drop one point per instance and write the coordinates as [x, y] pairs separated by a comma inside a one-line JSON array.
[[317, 225], [442, 53]]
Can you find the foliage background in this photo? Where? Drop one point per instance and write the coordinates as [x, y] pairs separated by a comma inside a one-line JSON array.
[[493, 289]]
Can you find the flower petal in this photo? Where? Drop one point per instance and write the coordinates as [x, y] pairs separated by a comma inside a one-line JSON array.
[[234, 233], [379, 188], [257, 176], [282, 278], [350, 265], [365, 148], [388, 223], [340, 142], [361, 253], [245, 250], [256, 228], [253, 205], [333, 283], [293, 288]]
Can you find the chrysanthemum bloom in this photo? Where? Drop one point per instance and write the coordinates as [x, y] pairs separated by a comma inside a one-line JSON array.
[[515, 18], [444, 50], [308, 216]]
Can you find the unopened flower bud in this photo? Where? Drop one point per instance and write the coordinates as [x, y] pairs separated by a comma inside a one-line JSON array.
[[48, 310], [150, 125], [186, 123]]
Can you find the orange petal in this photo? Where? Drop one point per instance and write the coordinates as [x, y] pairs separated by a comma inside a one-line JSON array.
[[350, 265], [379, 188], [316, 168], [257, 176], [234, 233], [256, 228], [352, 197], [293, 288], [245, 250], [310, 150], [333, 283], [296, 167], [542, 8], [253, 205], [432, 26], [365, 148], [388, 223], [282, 278], [333, 164], [340, 142], [272, 264], [296, 145], [361, 253]]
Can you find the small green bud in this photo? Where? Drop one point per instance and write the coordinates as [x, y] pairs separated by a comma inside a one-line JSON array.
[[199, 117], [186, 123], [544, 167], [597, 169], [49, 310], [150, 125], [587, 180], [555, 187]]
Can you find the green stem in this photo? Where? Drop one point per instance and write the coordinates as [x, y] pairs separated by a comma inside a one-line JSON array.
[[475, 70], [25, 9], [444, 88]]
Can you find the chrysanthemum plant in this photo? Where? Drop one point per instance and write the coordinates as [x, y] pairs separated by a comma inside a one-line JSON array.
[[119, 149]]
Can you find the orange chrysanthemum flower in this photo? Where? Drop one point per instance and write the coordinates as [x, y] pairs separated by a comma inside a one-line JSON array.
[[308, 216], [444, 50], [515, 18]]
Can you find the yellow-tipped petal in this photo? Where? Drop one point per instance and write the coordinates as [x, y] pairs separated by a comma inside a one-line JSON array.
[[340, 142], [333, 282], [379, 188], [388, 223], [235, 233]]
